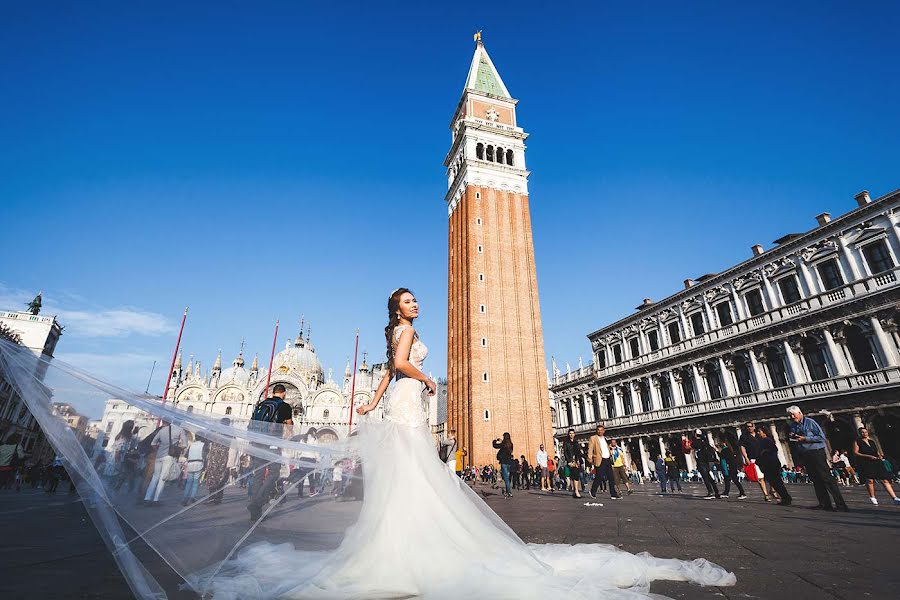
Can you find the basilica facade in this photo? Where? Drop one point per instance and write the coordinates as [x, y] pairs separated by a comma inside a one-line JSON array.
[[813, 321], [317, 399]]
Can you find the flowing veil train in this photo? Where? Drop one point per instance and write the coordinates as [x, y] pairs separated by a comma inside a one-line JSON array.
[[405, 528]]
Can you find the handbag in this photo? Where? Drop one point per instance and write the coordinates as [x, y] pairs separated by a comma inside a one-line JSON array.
[[752, 472], [172, 471], [174, 449]]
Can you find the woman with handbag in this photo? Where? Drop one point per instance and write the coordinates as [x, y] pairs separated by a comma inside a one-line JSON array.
[[168, 443], [574, 456], [871, 466]]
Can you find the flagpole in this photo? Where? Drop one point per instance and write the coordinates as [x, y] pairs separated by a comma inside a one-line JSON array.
[[174, 356], [353, 383], [271, 362]]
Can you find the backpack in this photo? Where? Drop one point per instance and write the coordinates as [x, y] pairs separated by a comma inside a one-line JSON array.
[[444, 451], [266, 412], [144, 448]]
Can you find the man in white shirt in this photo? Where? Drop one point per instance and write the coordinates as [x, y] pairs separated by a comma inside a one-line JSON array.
[[599, 456], [541, 460]]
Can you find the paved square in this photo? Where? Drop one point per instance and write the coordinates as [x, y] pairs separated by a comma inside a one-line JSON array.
[[51, 549]]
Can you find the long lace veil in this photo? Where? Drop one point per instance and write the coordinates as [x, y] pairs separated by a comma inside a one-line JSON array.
[[193, 539]]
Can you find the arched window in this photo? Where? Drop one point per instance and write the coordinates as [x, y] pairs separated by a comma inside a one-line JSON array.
[[509, 157], [479, 151], [713, 381], [860, 348], [610, 401], [665, 392], [644, 391], [742, 375], [228, 410], [325, 414], [500, 155], [490, 153], [626, 400], [190, 409], [687, 387], [815, 359]]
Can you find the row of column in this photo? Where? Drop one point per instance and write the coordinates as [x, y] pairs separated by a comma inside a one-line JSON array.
[[796, 371]]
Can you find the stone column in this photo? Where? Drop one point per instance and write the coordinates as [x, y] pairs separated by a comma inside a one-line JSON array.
[[699, 384], [784, 451], [645, 457], [662, 446], [762, 382], [807, 281], [837, 357], [850, 265], [885, 348], [739, 313], [857, 421], [655, 400], [619, 401], [727, 378], [675, 387], [711, 439], [795, 370], [770, 297]]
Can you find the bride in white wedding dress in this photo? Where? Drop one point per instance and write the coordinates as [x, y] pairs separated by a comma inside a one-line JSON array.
[[422, 533]]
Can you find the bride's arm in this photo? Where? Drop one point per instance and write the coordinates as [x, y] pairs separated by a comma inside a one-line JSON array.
[[402, 364], [379, 393]]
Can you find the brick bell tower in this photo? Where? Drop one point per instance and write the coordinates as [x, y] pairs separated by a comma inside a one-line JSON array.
[[497, 378]]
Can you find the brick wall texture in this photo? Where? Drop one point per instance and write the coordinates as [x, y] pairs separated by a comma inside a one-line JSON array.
[[506, 340]]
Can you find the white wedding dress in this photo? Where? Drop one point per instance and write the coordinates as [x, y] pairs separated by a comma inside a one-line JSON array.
[[422, 533]]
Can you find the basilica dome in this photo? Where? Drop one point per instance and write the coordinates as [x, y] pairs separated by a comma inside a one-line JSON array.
[[298, 357], [237, 375]]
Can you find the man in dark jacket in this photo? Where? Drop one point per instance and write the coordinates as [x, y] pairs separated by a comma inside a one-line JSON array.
[[706, 457]]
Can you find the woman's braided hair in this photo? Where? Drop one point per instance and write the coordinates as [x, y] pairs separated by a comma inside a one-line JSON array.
[[393, 320]]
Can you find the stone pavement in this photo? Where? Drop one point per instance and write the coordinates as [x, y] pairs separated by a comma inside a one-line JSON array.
[[50, 548]]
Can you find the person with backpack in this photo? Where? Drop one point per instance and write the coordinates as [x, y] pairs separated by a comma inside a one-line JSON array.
[[447, 450], [265, 472]]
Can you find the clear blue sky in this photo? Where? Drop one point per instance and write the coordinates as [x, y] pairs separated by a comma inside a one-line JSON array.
[[263, 160]]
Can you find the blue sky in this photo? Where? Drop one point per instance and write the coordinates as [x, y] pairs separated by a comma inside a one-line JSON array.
[[261, 160]]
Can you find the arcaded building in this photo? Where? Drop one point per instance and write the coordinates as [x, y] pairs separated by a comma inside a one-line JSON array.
[[812, 321]]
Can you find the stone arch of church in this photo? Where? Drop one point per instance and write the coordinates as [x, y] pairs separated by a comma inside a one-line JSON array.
[[325, 435], [231, 393], [194, 394]]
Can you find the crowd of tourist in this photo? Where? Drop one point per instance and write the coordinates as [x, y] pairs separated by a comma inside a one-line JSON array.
[[600, 466]]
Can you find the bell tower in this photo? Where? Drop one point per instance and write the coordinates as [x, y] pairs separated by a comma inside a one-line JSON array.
[[496, 372]]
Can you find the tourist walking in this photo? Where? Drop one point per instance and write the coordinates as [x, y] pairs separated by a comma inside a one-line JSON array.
[[809, 440], [573, 455], [196, 452], [661, 472], [870, 466], [620, 472], [706, 457], [731, 468], [504, 448], [673, 474], [542, 461], [749, 445], [11, 456], [770, 464], [274, 411], [169, 442], [600, 456], [524, 472]]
